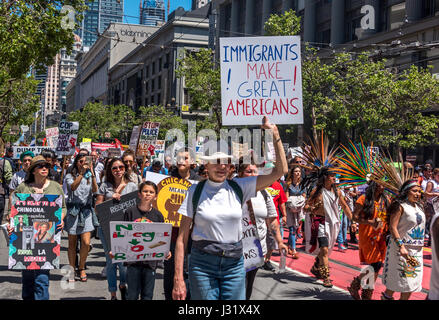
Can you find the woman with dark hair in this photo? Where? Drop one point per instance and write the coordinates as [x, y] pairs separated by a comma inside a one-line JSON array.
[[370, 213], [296, 201], [117, 183], [81, 218], [265, 216], [35, 283], [403, 267]]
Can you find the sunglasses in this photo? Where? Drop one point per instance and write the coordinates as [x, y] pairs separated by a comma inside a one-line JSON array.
[[118, 168], [43, 165]]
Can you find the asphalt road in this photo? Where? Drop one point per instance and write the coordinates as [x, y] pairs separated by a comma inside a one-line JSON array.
[[291, 285]]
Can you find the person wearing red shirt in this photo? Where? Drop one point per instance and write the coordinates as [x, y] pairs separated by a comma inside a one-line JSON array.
[[279, 198]]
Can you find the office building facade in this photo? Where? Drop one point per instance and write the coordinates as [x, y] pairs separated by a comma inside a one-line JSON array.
[[152, 12], [97, 17]]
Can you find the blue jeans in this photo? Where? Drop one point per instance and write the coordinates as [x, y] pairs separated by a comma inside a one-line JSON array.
[[292, 237], [342, 235], [213, 277], [112, 267], [35, 285], [141, 282]]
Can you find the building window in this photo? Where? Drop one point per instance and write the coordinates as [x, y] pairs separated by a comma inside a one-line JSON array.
[[159, 82], [396, 15], [153, 68], [160, 64], [152, 84], [158, 98]]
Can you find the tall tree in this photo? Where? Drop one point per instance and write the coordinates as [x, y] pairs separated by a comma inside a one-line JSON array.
[[31, 34]]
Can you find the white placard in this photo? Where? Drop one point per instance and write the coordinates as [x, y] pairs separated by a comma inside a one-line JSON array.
[[251, 245], [139, 241], [68, 135], [52, 137], [261, 76], [36, 150]]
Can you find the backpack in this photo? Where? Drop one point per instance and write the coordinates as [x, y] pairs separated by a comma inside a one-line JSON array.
[[199, 188]]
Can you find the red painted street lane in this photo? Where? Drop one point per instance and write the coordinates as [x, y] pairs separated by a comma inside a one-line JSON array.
[[344, 266]]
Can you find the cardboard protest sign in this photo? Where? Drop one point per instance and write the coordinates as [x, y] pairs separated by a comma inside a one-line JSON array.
[[112, 210], [252, 249], [148, 134], [134, 138], [35, 242], [52, 137], [159, 150], [261, 76], [139, 241], [171, 193], [36, 150], [68, 135]]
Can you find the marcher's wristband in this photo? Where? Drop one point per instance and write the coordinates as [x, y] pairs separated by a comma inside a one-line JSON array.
[[399, 242]]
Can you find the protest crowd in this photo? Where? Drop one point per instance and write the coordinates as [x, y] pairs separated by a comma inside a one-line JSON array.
[[320, 197]]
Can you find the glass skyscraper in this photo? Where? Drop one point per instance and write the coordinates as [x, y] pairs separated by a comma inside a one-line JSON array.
[[152, 12], [97, 17]]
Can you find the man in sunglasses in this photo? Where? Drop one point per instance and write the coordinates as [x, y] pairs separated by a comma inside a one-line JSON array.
[[50, 157]]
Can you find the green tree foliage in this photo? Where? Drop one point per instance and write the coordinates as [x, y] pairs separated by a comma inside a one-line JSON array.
[[168, 120], [31, 34], [203, 81], [287, 24], [95, 119]]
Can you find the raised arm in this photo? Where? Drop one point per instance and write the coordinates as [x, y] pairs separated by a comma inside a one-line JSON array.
[[281, 166]]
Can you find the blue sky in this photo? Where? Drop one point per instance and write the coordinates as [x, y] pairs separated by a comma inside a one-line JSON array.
[[131, 8]]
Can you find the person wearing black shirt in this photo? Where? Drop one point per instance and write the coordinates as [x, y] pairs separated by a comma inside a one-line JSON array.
[[141, 275]]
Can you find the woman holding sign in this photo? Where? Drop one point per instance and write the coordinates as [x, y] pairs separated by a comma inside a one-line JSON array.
[[216, 263], [81, 218], [117, 183], [35, 283], [265, 215]]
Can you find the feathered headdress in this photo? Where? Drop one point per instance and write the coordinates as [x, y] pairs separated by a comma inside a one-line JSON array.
[[356, 165], [318, 158], [392, 176]]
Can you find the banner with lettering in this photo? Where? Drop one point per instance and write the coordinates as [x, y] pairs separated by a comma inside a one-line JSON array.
[[139, 241], [36, 240], [67, 137], [261, 76], [171, 193], [251, 245], [113, 210], [36, 150]]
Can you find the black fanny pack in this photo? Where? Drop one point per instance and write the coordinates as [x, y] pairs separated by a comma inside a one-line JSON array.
[[228, 250]]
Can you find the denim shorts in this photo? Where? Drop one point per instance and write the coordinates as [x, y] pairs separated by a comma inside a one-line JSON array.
[[214, 277]]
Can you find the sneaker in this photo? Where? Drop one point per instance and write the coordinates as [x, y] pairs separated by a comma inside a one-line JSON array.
[[268, 266], [342, 247], [104, 272]]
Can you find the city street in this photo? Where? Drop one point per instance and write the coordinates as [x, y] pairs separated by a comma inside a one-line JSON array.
[[295, 284]]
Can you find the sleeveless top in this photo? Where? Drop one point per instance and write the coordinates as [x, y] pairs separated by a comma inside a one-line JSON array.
[[435, 188], [433, 293], [411, 226]]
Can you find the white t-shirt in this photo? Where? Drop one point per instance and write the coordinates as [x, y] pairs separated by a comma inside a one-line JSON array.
[[219, 211], [262, 210]]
